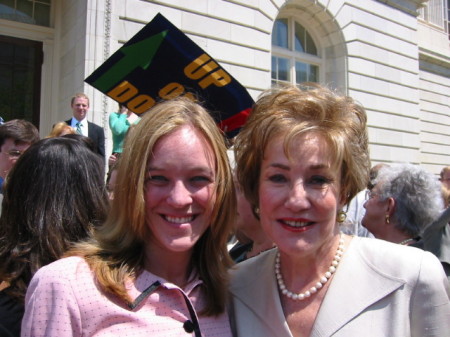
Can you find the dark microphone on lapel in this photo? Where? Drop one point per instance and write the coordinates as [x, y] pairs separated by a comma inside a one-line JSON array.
[[188, 326]]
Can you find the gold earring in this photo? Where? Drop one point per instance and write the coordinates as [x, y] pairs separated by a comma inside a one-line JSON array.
[[386, 218], [341, 216], [256, 210]]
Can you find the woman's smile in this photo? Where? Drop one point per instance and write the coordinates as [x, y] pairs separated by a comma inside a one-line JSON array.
[[179, 219], [296, 224]]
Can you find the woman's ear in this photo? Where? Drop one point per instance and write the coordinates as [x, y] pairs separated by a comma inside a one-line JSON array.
[[390, 206]]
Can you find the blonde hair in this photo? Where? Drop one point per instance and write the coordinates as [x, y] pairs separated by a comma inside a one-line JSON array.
[[79, 95], [58, 128], [291, 112], [117, 253]]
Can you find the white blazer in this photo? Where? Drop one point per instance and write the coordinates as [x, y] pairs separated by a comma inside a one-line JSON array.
[[380, 289]]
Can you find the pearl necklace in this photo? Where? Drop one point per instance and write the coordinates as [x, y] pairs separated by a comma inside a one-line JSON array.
[[319, 284], [404, 242]]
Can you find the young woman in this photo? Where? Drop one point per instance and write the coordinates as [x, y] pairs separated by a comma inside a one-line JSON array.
[[158, 265]]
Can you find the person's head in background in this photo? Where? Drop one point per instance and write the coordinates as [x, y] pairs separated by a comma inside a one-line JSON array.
[[445, 177], [61, 129], [53, 197], [404, 200], [373, 173], [15, 137], [80, 106]]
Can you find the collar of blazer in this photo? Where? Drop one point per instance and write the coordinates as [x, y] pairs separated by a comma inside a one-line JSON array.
[[345, 298]]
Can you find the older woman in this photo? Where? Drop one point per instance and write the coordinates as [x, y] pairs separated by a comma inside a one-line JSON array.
[[158, 266], [404, 200], [302, 155]]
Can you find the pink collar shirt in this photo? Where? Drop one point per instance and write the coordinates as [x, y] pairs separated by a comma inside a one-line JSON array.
[[64, 300]]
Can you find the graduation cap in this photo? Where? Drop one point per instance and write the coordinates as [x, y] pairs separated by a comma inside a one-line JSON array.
[[159, 63]]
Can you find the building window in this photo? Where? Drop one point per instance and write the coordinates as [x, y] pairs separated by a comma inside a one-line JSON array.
[[437, 12], [35, 12], [295, 57]]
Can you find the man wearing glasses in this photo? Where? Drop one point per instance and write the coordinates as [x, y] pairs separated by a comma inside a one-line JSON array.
[[15, 137]]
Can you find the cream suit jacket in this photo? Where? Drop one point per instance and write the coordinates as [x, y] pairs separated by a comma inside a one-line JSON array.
[[380, 289]]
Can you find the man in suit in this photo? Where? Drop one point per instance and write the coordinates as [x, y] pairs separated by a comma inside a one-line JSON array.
[[80, 107]]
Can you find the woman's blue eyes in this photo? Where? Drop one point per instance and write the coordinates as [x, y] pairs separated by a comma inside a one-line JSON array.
[[194, 179], [320, 180], [201, 178]]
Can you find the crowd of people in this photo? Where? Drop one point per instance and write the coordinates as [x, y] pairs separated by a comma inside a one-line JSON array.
[[302, 237]]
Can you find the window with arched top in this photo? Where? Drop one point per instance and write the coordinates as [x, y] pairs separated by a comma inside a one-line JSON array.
[[295, 56]]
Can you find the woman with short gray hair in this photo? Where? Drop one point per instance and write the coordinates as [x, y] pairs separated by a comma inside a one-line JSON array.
[[404, 200]]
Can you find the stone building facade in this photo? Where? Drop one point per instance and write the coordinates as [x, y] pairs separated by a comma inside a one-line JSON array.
[[393, 56]]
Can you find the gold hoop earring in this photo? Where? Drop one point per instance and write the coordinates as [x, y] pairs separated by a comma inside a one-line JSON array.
[[341, 216]]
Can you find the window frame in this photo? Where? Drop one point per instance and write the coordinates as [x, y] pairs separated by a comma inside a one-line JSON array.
[[296, 56], [31, 18]]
